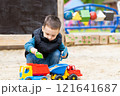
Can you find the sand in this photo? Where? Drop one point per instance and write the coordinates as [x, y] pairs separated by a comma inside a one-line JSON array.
[[100, 62]]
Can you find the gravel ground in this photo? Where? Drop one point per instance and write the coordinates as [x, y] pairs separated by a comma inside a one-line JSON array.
[[101, 62]]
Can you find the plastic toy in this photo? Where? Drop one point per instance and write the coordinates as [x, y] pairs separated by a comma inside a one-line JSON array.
[[64, 71], [109, 15], [68, 15], [40, 71], [100, 16], [34, 72], [85, 14], [93, 15], [39, 55], [86, 23], [76, 16]]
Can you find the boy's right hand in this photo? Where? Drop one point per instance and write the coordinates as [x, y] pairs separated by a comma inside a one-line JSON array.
[[33, 50]]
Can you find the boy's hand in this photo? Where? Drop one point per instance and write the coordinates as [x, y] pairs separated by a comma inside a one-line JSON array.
[[37, 54], [33, 50], [64, 56], [64, 53]]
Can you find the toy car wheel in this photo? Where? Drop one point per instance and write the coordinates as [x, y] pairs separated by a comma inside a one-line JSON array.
[[66, 78], [58, 77], [28, 79], [43, 78], [72, 77]]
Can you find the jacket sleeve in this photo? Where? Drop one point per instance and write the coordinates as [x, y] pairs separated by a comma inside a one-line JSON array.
[[30, 44], [62, 47]]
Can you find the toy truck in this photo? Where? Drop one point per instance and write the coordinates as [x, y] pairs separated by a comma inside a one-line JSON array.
[[64, 71], [34, 72], [57, 72]]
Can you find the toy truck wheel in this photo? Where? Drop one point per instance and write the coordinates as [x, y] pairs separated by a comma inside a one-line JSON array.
[[58, 77], [66, 78], [72, 77], [28, 79], [44, 78]]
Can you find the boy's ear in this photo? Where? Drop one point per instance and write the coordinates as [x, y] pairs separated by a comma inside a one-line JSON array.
[[42, 27]]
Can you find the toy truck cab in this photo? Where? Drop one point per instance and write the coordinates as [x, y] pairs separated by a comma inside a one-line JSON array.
[[73, 72], [25, 71], [34, 72]]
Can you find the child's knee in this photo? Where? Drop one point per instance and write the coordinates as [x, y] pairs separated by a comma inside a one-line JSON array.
[[30, 61], [56, 53]]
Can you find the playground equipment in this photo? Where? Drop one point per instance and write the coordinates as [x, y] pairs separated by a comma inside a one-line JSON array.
[[101, 16], [57, 71], [91, 8]]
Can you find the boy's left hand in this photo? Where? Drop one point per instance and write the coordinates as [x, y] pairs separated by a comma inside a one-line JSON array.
[[64, 53], [63, 56]]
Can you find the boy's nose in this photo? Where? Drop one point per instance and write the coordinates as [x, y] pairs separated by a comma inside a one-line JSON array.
[[49, 37]]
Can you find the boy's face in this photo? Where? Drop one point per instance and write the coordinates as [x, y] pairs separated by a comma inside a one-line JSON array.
[[49, 33]]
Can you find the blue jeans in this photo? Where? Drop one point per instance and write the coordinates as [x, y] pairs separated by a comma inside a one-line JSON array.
[[52, 58]]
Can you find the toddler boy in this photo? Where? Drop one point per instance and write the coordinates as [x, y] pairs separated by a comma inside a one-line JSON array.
[[47, 41]]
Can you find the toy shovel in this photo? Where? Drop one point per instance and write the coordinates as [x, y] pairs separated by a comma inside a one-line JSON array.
[[39, 55]]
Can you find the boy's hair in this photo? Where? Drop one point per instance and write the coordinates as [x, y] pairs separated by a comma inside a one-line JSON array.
[[52, 21]]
